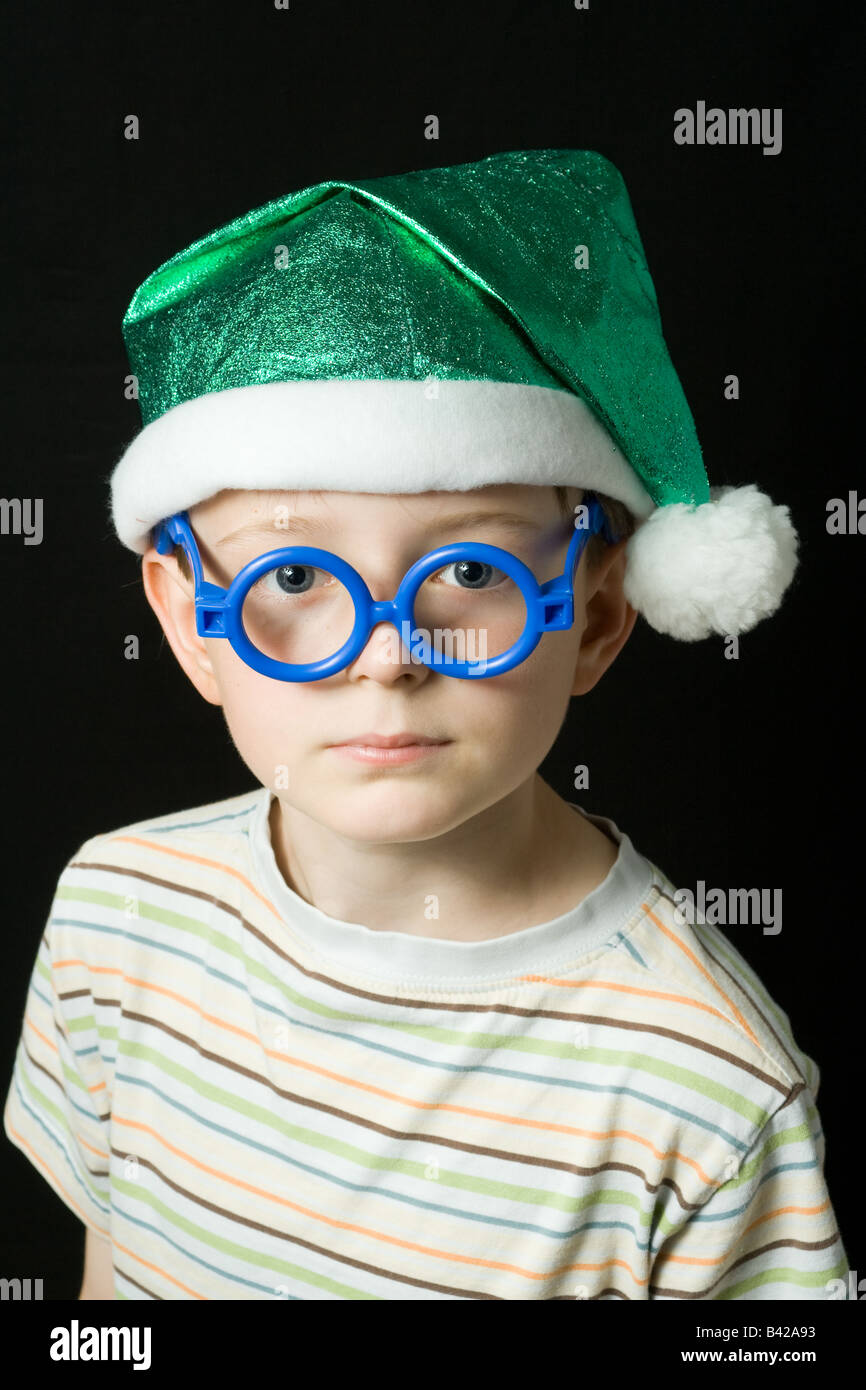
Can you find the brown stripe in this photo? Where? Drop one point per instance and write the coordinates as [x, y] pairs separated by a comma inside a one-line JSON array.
[[792, 1095], [608, 1021], [50, 1074], [363, 1123], [337, 1257], [129, 1279], [412, 1136], [659, 1291], [754, 1003], [352, 1118]]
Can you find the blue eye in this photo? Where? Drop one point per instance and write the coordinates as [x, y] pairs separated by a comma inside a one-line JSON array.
[[471, 574], [293, 580]]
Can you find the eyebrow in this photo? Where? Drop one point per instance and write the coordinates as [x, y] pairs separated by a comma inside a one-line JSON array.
[[454, 521]]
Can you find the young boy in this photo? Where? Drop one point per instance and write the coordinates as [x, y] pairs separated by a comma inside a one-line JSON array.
[[401, 1023]]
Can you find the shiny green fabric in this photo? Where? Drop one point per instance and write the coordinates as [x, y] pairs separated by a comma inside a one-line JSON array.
[[466, 272]]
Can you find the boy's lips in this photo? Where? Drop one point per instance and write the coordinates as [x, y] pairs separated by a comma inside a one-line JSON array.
[[387, 740], [389, 749]]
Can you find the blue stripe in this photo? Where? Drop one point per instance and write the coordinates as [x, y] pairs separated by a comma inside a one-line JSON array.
[[34, 1114], [374, 1188], [182, 825], [419, 1059]]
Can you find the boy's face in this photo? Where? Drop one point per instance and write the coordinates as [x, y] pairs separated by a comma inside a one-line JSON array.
[[495, 731]]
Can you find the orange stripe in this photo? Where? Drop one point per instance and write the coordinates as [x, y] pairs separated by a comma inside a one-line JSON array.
[[250, 886], [52, 1046], [626, 989], [502, 1117], [199, 859], [367, 1230], [717, 1260], [784, 1211], [157, 1269], [693, 958], [40, 1163]]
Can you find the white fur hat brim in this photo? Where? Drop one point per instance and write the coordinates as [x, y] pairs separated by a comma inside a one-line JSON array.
[[364, 436], [691, 570]]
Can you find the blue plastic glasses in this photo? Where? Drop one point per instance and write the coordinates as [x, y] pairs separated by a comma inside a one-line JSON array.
[[289, 629]]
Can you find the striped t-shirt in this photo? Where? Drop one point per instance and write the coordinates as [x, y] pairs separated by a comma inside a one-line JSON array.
[[253, 1100]]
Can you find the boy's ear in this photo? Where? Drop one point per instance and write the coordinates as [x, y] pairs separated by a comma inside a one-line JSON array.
[[609, 616], [171, 596]]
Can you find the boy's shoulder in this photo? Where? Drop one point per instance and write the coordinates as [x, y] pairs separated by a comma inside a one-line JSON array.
[[158, 867], [713, 987], [219, 823]]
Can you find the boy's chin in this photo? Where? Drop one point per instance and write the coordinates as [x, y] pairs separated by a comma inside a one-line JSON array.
[[392, 811]]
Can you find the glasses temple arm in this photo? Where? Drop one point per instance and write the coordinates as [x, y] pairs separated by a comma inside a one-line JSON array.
[[209, 598]]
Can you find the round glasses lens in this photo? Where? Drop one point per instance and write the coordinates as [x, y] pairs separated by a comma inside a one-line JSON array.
[[298, 613], [469, 611]]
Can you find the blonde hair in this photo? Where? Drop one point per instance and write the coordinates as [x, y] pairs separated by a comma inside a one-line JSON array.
[[618, 516]]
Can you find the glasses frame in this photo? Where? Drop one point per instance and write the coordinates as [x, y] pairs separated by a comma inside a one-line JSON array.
[[549, 606]]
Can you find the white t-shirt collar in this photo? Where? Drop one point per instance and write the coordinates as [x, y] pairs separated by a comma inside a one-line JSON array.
[[401, 958]]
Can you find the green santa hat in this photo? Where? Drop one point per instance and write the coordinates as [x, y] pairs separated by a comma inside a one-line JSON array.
[[444, 329]]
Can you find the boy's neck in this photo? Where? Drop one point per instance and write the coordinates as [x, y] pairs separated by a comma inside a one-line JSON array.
[[512, 867]]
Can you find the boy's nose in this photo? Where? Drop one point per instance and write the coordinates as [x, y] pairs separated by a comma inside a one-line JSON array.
[[384, 657]]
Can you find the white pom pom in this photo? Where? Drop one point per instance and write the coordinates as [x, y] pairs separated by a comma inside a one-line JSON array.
[[719, 567]]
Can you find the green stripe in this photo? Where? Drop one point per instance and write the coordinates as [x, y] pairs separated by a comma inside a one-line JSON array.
[[801, 1278], [239, 1252], [795, 1135], [375, 1162], [687, 1078], [99, 1198]]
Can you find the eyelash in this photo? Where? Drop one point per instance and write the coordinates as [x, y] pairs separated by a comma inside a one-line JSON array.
[[267, 589]]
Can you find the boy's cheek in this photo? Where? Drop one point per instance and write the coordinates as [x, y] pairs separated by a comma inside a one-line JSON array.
[[282, 722]]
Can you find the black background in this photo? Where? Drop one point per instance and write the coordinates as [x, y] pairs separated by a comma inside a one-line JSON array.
[[746, 772]]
